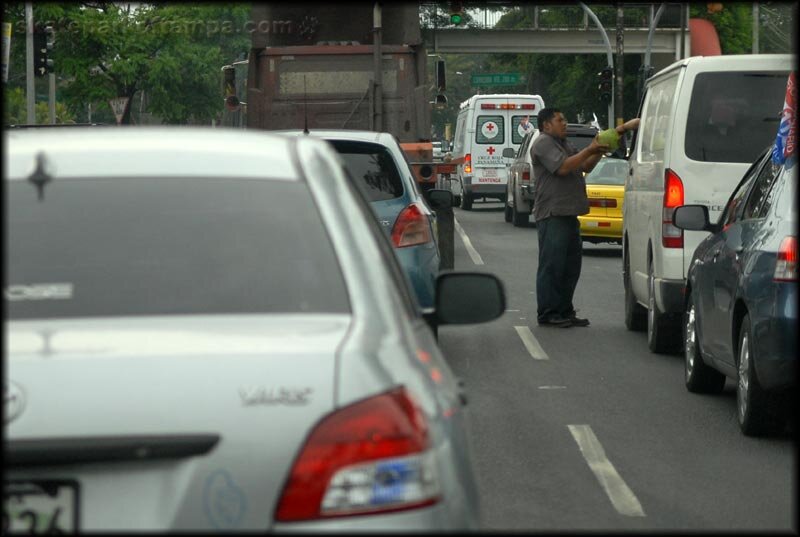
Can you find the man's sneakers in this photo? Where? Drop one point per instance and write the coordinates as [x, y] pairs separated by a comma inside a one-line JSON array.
[[564, 322]]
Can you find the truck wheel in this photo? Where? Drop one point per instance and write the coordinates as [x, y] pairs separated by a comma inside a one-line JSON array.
[[466, 201], [457, 200], [662, 336]]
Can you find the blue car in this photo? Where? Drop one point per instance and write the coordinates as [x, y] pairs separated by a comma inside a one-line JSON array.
[[378, 166], [741, 300]]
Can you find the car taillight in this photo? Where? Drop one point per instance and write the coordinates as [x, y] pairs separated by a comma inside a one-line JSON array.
[[369, 457], [671, 236], [468, 163], [411, 227], [786, 264], [526, 176]]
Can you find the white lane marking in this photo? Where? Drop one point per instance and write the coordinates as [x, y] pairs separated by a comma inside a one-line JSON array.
[[552, 387], [622, 497], [473, 253], [529, 340], [512, 310]]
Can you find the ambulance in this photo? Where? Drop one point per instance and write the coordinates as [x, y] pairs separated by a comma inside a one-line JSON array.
[[486, 126]]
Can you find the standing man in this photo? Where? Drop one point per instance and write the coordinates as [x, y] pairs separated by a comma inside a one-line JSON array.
[[559, 198]]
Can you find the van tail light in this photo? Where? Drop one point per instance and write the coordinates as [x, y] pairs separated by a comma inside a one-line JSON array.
[[528, 107], [488, 106], [369, 457], [671, 236], [468, 163], [411, 227], [786, 264]]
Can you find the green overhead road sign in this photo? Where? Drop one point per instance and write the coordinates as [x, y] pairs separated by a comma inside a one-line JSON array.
[[497, 79]]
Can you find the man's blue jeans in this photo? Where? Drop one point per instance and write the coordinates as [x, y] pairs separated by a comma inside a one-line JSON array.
[[560, 256]]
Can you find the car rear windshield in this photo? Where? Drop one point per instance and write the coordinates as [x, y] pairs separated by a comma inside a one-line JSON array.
[[373, 167], [608, 172], [732, 116], [160, 246], [581, 140]]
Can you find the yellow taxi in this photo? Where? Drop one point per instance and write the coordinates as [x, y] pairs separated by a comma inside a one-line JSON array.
[[605, 187]]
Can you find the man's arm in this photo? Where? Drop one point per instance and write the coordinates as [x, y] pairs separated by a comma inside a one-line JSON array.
[[591, 162], [579, 159]]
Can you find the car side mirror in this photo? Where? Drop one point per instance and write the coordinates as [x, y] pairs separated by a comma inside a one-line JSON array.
[[691, 217], [469, 297], [509, 152], [440, 199]]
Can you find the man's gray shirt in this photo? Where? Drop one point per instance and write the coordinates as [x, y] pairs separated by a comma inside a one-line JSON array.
[[556, 195]]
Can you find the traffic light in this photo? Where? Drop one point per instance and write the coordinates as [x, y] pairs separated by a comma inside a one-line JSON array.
[[457, 13], [43, 41], [605, 85]]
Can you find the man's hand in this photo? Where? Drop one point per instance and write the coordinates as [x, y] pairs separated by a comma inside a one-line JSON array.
[[597, 148]]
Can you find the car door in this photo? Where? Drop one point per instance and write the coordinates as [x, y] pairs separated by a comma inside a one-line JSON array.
[[724, 261]]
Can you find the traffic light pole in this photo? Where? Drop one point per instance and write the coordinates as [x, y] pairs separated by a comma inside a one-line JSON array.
[[609, 53], [30, 89], [52, 98]]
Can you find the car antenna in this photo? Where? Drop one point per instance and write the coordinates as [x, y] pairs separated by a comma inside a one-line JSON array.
[[40, 177], [305, 106]]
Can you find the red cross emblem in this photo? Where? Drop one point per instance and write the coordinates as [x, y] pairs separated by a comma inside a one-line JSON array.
[[490, 127], [490, 150]]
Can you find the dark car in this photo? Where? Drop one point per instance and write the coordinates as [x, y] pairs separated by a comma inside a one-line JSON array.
[[741, 300]]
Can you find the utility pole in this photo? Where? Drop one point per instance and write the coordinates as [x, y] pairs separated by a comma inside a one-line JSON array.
[[378, 57], [30, 88], [755, 27], [609, 53], [619, 71]]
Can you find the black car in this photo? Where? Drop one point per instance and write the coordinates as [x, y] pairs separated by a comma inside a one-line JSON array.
[[741, 297]]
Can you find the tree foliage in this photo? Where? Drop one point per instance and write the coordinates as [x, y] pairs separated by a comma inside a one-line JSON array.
[[171, 52]]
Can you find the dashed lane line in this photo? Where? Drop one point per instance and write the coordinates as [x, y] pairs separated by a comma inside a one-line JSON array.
[[530, 342], [621, 496], [473, 253]]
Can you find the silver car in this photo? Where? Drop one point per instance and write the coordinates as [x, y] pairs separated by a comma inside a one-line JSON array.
[[207, 330]]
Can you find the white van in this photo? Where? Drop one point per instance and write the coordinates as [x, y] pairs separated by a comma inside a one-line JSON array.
[[704, 120], [486, 125]]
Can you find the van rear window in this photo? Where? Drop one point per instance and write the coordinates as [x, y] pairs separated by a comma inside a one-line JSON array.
[[490, 130], [521, 125], [732, 116]]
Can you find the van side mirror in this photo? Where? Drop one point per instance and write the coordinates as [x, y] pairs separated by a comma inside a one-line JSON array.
[[509, 152], [469, 297], [692, 217]]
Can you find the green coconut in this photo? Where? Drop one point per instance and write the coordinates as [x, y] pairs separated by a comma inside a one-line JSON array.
[[609, 137]]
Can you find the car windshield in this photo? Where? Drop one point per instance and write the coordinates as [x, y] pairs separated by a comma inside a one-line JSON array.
[[373, 167], [160, 246], [608, 172]]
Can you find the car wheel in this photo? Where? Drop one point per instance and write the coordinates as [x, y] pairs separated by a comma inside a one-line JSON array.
[[519, 219], [661, 336], [508, 210], [754, 409], [635, 314], [466, 201], [700, 377]]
